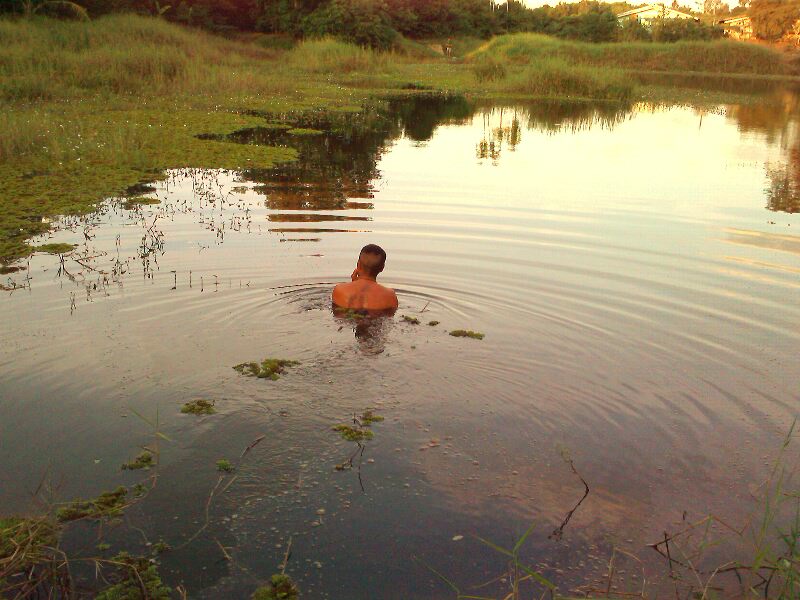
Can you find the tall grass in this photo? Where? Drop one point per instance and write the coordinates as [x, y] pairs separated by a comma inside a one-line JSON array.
[[331, 56], [722, 56], [46, 59]]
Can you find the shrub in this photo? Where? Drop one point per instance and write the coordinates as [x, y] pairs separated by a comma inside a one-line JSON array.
[[362, 22], [674, 30]]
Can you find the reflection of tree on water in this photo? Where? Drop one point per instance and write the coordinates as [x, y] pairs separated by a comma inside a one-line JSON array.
[[336, 169], [783, 191], [779, 120], [503, 126]]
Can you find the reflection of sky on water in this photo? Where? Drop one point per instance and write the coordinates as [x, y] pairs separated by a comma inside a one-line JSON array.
[[638, 300]]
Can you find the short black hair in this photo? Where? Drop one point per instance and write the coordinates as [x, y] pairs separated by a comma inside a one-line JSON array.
[[375, 267]]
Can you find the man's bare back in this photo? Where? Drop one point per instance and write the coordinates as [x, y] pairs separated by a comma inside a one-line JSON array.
[[364, 292]]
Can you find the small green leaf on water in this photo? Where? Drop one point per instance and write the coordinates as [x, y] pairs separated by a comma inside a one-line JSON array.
[[411, 320], [433, 323]]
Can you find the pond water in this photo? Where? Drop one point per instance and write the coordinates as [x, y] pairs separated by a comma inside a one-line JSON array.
[[635, 272]]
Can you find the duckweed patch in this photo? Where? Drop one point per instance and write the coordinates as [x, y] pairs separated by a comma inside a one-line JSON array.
[[199, 407], [225, 466], [412, 320], [353, 434], [305, 132], [143, 461], [281, 587], [54, 248], [107, 504], [467, 333], [269, 368]]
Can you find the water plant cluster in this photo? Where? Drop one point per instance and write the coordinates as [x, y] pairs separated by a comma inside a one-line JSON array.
[[269, 368], [199, 407]]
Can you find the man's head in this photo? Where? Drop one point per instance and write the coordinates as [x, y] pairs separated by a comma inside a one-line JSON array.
[[372, 260]]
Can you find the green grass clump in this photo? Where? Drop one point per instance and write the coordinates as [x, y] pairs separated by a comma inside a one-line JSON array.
[[488, 68], [107, 504], [721, 56], [411, 320], [467, 333], [143, 461], [353, 434], [199, 407], [224, 465], [54, 248], [269, 368], [281, 587]]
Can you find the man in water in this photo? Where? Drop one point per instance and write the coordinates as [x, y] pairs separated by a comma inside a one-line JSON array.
[[364, 292]]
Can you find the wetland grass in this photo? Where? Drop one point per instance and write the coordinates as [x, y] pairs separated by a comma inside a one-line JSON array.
[[721, 56]]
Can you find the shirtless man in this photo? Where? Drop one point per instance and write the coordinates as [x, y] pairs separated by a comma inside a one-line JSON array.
[[363, 292]]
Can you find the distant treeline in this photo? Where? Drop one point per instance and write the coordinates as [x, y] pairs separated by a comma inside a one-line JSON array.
[[377, 23]]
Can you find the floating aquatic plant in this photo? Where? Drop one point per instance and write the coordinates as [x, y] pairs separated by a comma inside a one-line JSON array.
[[224, 465], [467, 333], [106, 504], [199, 407], [143, 461], [139, 579], [433, 323], [54, 248], [369, 417], [412, 320], [353, 434], [281, 587], [269, 368]]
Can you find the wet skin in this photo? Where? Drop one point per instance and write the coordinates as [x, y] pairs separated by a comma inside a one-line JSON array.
[[364, 293]]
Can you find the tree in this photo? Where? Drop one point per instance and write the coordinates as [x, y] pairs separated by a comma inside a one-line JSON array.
[[772, 19]]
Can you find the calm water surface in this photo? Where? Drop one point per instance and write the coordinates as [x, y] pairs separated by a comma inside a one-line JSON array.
[[636, 275]]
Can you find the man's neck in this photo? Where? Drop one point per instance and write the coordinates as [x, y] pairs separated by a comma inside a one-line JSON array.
[[368, 278]]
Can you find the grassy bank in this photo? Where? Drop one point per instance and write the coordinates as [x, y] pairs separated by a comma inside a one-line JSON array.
[[722, 56], [88, 109]]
